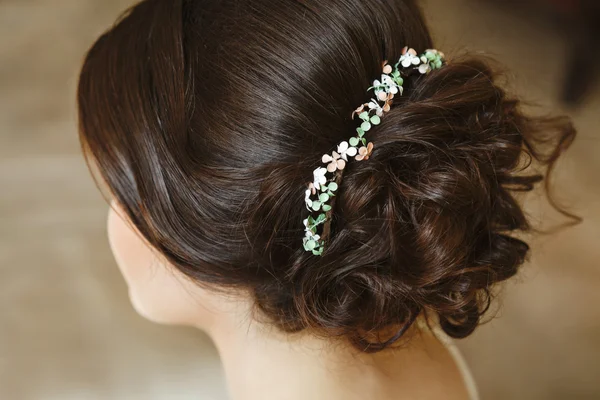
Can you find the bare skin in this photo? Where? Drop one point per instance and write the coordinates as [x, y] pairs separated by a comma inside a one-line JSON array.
[[262, 363]]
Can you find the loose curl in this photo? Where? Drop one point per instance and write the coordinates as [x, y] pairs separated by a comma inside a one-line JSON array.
[[206, 136]]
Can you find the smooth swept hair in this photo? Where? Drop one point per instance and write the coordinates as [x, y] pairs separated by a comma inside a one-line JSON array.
[[206, 119]]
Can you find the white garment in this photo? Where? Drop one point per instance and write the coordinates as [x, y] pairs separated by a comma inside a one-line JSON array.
[[462, 365]]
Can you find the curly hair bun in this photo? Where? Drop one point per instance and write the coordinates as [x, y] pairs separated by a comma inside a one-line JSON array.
[[425, 224]]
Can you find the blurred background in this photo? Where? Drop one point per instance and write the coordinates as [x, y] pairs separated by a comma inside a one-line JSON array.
[[67, 330]]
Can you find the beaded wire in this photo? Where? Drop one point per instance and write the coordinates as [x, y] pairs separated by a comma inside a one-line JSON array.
[[320, 195]]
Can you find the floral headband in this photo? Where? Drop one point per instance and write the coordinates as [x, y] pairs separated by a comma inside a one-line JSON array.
[[320, 194]]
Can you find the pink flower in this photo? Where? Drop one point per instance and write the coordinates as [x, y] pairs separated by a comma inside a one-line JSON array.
[[360, 109], [387, 69], [364, 152], [335, 161]]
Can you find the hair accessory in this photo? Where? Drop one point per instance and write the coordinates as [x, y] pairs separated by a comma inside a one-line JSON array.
[[322, 190]]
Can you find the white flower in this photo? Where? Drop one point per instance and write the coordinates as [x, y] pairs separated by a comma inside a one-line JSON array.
[[391, 85], [310, 237], [309, 233], [378, 89], [307, 199], [374, 105], [346, 150], [319, 177], [310, 191], [424, 68], [409, 58], [386, 86]]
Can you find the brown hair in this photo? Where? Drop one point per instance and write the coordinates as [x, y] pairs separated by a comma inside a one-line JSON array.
[[207, 119]]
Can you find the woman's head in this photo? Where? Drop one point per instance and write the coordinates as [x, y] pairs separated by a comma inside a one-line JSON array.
[[207, 118]]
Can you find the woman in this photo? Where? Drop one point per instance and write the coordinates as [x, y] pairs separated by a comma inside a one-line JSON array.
[[229, 135]]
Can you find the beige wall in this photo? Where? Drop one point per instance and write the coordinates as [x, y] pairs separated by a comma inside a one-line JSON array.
[[67, 330]]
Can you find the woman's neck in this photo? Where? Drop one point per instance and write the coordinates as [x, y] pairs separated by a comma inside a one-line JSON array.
[[262, 363]]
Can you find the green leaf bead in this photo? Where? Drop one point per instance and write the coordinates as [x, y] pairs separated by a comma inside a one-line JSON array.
[[321, 218], [316, 205], [354, 140], [366, 126], [438, 64], [334, 186], [326, 207], [375, 120], [311, 244], [323, 197], [364, 116], [360, 131], [364, 141]]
